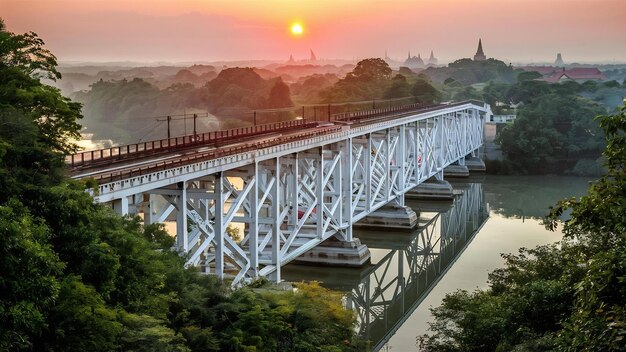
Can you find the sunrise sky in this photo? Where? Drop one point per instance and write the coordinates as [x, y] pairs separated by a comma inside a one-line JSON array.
[[210, 30]]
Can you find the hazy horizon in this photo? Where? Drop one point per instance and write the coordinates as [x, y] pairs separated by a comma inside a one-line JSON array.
[[187, 31]]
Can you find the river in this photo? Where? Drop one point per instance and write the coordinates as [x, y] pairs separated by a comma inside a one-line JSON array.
[[457, 244]]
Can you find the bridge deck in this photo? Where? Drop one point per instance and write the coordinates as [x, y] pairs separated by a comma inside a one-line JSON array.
[[122, 162]]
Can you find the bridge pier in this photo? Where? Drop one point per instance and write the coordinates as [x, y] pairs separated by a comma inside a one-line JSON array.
[[337, 252], [456, 171], [432, 189], [475, 164], [390, 216], [121, 206]]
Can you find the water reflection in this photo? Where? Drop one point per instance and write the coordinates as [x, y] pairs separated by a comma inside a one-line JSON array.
[[405, 266], [525, 197]]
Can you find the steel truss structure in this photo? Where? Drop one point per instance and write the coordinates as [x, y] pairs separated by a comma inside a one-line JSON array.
[[287, 199], [397, 284]]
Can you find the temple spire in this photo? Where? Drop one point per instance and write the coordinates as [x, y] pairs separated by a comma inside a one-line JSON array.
[[432, 60], [480, 55]]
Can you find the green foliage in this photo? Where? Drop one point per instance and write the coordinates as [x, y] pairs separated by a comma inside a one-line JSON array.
[[551, 133], [468, 72], [279, 97], [399, 88], [570, 296], [370, 70], [28, 284], [23, 61], [126, 109], [425, 93], [369, 80], [526, 91], [528, 75]]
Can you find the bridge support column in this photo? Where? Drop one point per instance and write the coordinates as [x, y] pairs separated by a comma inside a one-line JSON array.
[[218, 227], [348, 208], [149, 209], [182, 239], [120, 206], [276, 230]]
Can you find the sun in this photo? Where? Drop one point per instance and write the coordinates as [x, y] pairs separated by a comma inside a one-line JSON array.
[[296, 29]]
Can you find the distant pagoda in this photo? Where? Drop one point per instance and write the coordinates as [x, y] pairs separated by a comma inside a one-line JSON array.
[[414, 61], [480, 55], [313, 58], [559, 60], [432, 60], [291, 60]]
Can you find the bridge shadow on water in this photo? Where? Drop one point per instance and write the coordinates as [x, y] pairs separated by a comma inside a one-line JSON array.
[[405, 266]]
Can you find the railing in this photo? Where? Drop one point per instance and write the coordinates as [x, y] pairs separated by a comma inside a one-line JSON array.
[[214, 154], [165, 145], [216, 139], [367, 114]]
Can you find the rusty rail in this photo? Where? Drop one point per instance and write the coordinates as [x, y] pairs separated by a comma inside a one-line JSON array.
[[166, 145], [213, 154]]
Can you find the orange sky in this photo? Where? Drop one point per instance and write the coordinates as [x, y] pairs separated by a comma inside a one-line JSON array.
[[207, 30]]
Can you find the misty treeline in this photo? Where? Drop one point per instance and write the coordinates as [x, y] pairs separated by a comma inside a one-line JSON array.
[[129, 109], [554, 132], [74, 276]]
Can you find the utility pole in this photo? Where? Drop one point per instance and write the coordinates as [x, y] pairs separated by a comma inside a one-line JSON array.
[[373, 104], [195, 132], [303, 112], [169, 118], [254, 118], [328, 112]]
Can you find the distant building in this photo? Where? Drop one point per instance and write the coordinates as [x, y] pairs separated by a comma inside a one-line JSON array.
[[432, 60], [391, 62], [559, 60], [544, 70], [502, 118], [480, 55], [553, 74], [313, 58], [578, 74], [291, 60], [414, 62]]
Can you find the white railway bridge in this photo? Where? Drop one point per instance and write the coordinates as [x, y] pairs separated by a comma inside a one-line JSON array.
[[289, 186]]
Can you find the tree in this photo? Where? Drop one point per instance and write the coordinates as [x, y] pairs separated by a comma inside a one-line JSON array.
[[368, 80], [528, 76], [425, 93], [23, 61], [28, 270], [280, 97], [370, 70], [525, 91], [551, 133], [400, 88]]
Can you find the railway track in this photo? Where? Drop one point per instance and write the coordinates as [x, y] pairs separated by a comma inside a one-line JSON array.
[[112, 164]]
